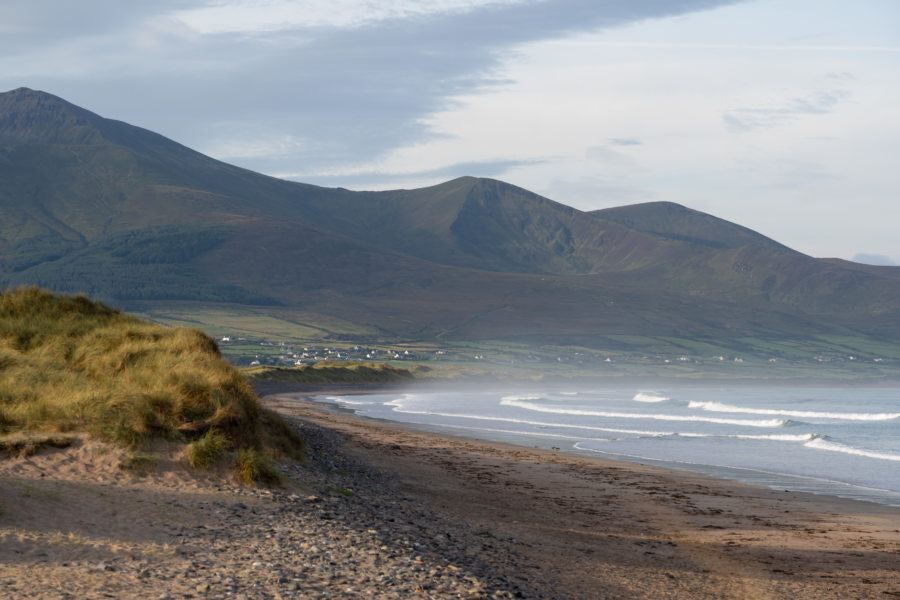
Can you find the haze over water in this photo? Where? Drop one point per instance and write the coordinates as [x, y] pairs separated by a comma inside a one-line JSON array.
[[838, 441]]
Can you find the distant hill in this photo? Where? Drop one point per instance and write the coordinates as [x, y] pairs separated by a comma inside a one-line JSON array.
[[125, 215]]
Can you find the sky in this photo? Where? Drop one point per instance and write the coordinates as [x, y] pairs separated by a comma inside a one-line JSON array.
[[780, 115]]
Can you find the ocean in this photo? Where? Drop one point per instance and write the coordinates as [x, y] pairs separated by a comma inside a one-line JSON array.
[[838, 441]]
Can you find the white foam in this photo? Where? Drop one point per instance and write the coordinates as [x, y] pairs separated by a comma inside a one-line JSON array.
[[398, 402], [515, 401], [801, 437], [524, 398], [557, 436], [720, 407], [775, 437], [535, 423], [649, 397], [823, 444]]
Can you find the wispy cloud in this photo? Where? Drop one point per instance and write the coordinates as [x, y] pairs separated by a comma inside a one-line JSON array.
[[749, 47], [625, 142], [788, 173], [371, 179], [608, 156], [594, 192], [817, 103]]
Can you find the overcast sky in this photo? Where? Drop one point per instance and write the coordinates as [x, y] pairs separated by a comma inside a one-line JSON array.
[[780, 115]]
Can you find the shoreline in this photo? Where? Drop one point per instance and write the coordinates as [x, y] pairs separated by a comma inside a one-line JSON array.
[[744, 475], [600, 527]]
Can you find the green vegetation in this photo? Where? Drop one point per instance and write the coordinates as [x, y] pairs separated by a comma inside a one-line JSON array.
[[68, 364], [146, 264], [203, 452], [250, 467], [332, 371], [248, 322], [27, 444], [139, 462]]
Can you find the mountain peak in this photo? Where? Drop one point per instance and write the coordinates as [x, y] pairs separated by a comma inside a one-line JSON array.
[[33, 116], [677, 222]]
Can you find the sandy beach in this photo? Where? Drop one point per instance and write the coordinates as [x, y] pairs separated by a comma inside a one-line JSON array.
[[593, 528], [383, 511]]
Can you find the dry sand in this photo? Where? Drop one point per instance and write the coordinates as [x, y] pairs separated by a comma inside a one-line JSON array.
[[383, 511]]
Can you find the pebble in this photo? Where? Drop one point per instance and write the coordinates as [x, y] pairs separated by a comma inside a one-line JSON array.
[[253, 544]]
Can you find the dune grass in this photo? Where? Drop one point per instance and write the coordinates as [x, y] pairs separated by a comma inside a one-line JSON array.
[[24, 444], [203, 452], [250, 466], [69, 364]]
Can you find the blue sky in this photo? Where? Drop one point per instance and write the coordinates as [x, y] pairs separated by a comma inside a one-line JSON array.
[[780, 115]]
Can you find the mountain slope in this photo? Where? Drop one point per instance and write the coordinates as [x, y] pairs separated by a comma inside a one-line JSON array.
[[673, 221], [94, 205], [753, 265], [489, 224]]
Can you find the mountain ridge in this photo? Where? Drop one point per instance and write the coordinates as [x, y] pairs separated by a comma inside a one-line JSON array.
[[675, 221], [128, 216]]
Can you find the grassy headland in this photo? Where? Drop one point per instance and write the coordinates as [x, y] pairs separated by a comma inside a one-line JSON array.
[[68, 364], [332, 371]]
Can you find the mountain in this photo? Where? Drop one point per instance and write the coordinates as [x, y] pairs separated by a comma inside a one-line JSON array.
[[123, 214], [673, 221]]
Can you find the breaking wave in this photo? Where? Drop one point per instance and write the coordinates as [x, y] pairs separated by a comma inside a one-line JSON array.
[[649, 397], [720, 407], [349, 401], [775, 437], [519, 402], [407, 411], [821, 443]]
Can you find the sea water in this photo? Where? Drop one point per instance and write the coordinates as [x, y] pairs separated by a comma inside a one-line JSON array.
[[840, 441]]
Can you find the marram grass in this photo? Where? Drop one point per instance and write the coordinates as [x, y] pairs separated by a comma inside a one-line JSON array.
[[204, 451], [68, 364], [250, 466]]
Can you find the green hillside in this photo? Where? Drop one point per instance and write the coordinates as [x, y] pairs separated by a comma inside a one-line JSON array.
[[118, 212]]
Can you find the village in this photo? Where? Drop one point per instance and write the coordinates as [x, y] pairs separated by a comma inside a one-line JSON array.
[[247, 352]]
